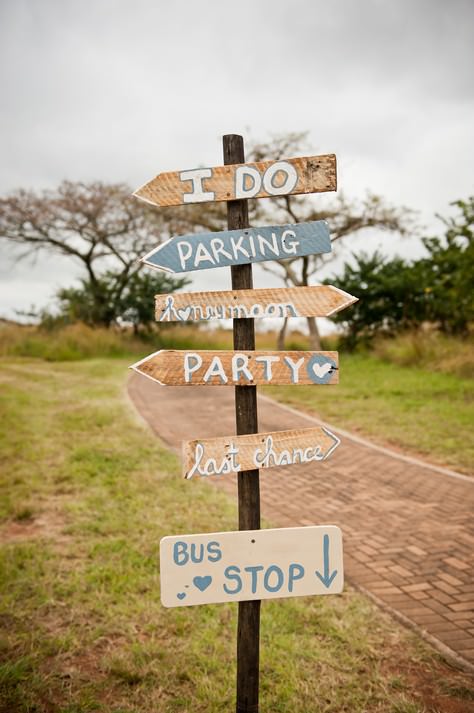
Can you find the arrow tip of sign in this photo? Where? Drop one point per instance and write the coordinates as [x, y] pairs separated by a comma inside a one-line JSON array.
[[348, 300], [142, 194]]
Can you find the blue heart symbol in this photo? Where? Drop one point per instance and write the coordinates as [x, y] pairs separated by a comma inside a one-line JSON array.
[[202, 583], [181, 595]]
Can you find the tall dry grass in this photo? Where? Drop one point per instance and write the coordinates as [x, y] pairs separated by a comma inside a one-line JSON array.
[[429, 350]]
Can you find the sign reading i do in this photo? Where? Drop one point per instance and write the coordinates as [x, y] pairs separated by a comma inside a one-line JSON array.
[[248, 565], [310, 174]]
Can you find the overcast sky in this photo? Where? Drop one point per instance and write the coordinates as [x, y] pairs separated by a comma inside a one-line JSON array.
[[119, 91]]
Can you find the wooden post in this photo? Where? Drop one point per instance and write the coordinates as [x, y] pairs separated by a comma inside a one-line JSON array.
[[248, 630]]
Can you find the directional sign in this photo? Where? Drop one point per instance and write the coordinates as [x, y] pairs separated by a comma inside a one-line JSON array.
[[309, 174], [202, 251], [250, 564], [318, 301], [182, 368], [219, 456]]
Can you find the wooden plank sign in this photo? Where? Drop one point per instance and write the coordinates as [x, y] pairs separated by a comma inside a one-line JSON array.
[[232, 454], [308, 174], [203, 251], [250, 564], [317, 301], [228, 368]]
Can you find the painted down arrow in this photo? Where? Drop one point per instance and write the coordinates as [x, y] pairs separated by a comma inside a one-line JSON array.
[[326, 578]]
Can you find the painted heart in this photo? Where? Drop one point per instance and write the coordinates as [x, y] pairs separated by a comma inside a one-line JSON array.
[[202, 583], [320, 370], [184, 313], [181, 595]]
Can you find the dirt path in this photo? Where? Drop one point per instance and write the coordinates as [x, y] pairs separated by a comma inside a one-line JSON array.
[[408, 527]]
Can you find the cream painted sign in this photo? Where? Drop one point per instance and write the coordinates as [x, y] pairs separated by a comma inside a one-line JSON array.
[[250, 564], [219, 456]]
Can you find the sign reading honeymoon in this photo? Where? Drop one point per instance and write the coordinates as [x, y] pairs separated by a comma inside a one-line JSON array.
[[202, 251], [317, 301], [250, 564], [228, 368], [309, 174]]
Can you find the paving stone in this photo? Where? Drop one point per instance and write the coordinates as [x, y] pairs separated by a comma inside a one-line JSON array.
[[408, 529]]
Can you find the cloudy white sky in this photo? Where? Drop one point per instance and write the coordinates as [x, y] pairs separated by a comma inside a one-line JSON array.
[[119, 91]]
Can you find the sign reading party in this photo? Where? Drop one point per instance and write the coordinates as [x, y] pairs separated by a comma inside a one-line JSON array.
[[228, 368], [307, 174], [233, 454], [250, 564]]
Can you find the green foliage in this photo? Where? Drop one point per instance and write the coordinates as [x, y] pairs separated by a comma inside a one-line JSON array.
[[105, 301], [396, 295]]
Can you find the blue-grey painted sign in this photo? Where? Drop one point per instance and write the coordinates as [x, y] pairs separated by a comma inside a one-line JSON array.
[[202, 251]]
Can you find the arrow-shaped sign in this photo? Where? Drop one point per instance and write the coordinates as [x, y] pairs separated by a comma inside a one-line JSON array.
[[221, 368], [318, 301], [232, 454], [307, 174], [326, 578], [201, 251]]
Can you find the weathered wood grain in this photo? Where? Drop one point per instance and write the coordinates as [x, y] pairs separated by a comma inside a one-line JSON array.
[[230, 368], [306, 174], [232, 454], [317, 301], [251, 565]]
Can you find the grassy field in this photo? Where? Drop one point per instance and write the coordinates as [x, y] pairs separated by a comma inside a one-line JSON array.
[[419, 411], [87, 493], [415, 392]]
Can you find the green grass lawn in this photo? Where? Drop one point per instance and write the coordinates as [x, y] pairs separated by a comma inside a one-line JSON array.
[[426, 413], [87, 493]]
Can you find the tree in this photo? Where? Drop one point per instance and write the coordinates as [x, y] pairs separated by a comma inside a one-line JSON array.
[[100, 226], [345, 218], [135, 305], [395, 295]]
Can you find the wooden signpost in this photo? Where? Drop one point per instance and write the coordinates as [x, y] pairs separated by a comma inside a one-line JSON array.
[[309, 174], [250, 565], [201, 251], [231, 368], [219, 456], [318, 301]]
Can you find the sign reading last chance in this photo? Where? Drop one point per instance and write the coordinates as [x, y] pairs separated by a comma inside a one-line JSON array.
[[309, 174]]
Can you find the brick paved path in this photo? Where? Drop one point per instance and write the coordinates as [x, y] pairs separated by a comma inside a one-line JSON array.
[[408, 527]]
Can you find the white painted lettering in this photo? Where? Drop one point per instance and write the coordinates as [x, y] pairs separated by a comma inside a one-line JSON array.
[[242, 189], [273, 245], [202, 255], [289, 246], [267, 361], [239, 367], [185, 250], [217, 246], [198, 194], [192, 362], [275, 187], [216, 369], [294, 366]]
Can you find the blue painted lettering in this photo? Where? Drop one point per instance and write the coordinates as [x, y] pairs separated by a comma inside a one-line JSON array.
[[233, 573]]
